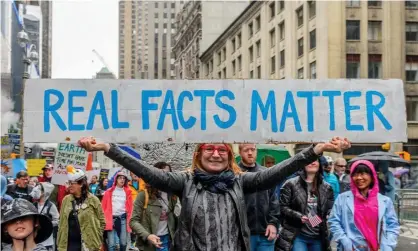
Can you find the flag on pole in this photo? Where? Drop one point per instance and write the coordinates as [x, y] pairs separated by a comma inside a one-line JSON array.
[[314, 220]]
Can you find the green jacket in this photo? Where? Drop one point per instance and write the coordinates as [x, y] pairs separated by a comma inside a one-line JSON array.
[[91, 219], [144, 221]]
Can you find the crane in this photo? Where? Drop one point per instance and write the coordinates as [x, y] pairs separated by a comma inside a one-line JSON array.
[[103, 62]]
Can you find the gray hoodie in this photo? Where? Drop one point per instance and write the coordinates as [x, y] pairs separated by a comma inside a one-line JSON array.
[[48, 208], [39, 247]]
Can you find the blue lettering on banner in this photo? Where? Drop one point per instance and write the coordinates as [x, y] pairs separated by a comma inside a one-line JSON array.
[[189, 123], [51, 109], [348, 108], [270, 104], [98, 108], [203, 94], [309, 106], [375, 109], [232, 113], [331, 95], [147, 106], [73, 109], [168, 109], [289, 102], [171, 108], [116, 124]]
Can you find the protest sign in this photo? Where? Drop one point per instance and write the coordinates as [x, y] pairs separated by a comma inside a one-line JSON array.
[[259, 111], [68, 154], [18, 165], [35, 166]]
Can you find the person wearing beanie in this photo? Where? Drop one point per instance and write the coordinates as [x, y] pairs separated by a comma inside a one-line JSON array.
[[329, 176], [363, 219], [22, 227], [82, 221]]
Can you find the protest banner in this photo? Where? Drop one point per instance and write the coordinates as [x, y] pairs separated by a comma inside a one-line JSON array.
[[68, 154], [259, 111], [104, 174], [35, 166]]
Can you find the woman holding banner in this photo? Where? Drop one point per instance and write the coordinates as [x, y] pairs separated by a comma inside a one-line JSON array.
[[213, 185], [305, 203]]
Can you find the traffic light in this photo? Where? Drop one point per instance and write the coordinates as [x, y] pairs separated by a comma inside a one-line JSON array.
[[386, 146], [404, 155]]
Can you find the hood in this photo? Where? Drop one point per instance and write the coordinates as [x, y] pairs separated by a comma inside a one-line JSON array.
[[375, 189], [3, 185], [48, 188], [120, 173]]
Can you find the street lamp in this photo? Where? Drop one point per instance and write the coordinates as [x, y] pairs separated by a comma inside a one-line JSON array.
[[29, 56]]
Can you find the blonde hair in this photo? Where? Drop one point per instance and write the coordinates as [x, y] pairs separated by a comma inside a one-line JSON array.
[[232, 164]]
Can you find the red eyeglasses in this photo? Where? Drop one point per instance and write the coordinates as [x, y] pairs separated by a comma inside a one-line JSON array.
[[222, 150]]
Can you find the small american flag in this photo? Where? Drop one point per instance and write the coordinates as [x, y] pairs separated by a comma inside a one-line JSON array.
[[314, 220]]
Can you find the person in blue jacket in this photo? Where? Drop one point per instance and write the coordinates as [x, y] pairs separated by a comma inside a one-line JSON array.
[[329, 176]]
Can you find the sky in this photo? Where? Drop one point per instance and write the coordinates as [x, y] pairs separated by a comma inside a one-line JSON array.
[[78, 27]]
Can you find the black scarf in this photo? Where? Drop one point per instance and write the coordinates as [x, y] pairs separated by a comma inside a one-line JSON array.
[[215, 183]]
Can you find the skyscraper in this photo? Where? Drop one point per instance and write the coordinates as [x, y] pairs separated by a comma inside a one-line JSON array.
[[146, 35]]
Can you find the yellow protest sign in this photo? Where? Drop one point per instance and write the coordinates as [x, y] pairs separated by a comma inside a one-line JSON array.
[[4, 140], [35, 166]]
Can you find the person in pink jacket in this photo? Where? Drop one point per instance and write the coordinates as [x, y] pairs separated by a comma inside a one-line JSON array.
[[117, 207]]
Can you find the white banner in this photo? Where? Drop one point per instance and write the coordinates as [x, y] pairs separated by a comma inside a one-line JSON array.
[[68, 154], [259, 111]]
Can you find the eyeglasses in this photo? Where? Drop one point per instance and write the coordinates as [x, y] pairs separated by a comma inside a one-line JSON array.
[[69, 183], [222, 150], [341, 165]]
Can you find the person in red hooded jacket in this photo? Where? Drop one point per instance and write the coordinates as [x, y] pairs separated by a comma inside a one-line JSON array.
[[117, 207]]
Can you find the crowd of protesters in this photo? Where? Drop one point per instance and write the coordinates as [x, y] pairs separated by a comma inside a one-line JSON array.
[[302, 203]]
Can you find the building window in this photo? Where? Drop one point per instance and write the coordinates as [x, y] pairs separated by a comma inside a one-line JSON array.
[[300, 47], [411, 68], [273, 64], [257, 24], [219, 58], [412, 110], [411, 4], [353, 3], [353, 66], [156, 25], [353, 30], [411, 30], [220, 75], [173, 5], [155, 15], [173, 15], [251, 53], [239, 63], [258, 48], [165, 15], [233, 67], [250, 29], [224, 54], [375, 66], [299, 16], [239, 40], [165, 5], [273, 38], [312, 70], [156, 4], [271, 10], [233, 45], [224, 72], [300, 73], [281, 5], [282, 59], [312, 9], [282, 30], [374, 3], [375, 31], [252, 74], [312, 39], [259, 71]]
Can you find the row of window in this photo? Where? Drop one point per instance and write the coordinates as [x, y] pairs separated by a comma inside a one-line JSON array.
[[374, 32], [378, 3]]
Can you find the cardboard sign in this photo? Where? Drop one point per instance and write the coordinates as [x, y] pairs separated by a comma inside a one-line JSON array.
[[68, 154], [35, 166], [259, 111]]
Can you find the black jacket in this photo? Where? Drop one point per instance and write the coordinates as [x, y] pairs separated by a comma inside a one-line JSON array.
[[182, 184], [12, 191], [293, 201], [262, 206]]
